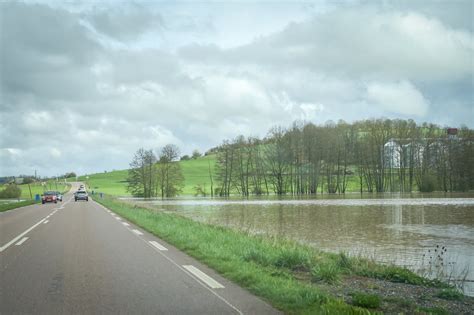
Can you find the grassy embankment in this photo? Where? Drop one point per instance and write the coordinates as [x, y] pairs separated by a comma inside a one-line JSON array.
[[14, 205], [292, 277]]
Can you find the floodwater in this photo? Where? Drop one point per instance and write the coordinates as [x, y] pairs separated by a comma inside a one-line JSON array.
[[409, 230]]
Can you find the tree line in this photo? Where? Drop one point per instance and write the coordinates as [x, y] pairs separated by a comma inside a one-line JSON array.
[[153, 175], [379, 155]]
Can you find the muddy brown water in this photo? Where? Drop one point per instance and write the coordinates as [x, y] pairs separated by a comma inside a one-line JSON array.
[[409, 230]]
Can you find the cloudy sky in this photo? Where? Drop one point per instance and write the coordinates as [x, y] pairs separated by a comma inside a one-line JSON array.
[[83, 85]]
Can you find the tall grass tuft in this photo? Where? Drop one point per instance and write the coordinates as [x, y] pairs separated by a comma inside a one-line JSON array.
[[365, 300], [327, 272]]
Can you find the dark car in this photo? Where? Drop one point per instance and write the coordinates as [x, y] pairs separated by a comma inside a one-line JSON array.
[[49, 196], [81, 195]]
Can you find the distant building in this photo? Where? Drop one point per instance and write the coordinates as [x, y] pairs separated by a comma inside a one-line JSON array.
[[391, 154], [399, 153]]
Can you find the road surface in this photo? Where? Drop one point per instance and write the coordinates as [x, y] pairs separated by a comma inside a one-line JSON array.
[[78, 257]]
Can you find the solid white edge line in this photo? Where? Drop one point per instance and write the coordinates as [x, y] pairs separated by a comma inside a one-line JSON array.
[[203, 277], [22, 241], [46, 221], [158, 245], [125, 223], [137, 232], [19, 236]]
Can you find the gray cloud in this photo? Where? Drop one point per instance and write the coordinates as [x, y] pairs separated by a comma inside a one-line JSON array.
[[362, 43], [125, 22], [83, 89], [45, 53]]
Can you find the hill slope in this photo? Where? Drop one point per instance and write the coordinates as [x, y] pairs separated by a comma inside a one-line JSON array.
[[195, 172]]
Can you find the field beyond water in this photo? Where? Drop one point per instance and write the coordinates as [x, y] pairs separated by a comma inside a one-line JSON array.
[[195, 172], [295, 278]]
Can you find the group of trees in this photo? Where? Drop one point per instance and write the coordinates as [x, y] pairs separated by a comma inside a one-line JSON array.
[[371, 155], [152, 176]]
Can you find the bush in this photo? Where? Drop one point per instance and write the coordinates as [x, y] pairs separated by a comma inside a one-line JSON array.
[[11, 191], [366, 300]]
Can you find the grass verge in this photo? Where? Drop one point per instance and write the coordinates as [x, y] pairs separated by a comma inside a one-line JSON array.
[[14, 205], [284, 273]]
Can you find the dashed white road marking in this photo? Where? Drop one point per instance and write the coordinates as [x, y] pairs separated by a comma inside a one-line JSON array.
[[46, 221], [22, 241], [158, 245], [183, 268], [203, 277], [20, 236], [125, 223], [118, 219]]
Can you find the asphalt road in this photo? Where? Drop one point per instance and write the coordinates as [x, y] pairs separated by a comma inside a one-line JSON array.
[[77, 257]]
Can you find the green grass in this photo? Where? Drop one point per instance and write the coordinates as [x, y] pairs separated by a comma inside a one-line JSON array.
[[329, 273], [366, 300], [113, 183], [282, 272], [195, 172], [14, 205], [431, 310], [450, 294]]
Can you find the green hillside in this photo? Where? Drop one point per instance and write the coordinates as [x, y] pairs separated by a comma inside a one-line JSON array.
[[195, 172]]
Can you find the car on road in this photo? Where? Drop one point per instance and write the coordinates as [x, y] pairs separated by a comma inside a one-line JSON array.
[[81, 195], [49, 196], [59, 196]]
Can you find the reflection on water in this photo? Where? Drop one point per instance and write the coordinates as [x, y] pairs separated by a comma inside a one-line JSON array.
[[395, 230]]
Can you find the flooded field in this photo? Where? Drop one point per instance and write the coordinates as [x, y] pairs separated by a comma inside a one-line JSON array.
[[431, 234]]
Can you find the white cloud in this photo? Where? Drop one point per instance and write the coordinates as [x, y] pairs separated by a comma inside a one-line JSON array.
[[55, 153], [401, 98]]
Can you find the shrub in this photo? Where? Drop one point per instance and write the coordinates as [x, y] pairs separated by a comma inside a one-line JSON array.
[[365, 300], [11, 191]]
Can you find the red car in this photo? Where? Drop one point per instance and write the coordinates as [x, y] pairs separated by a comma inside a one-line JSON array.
[[49, 196]]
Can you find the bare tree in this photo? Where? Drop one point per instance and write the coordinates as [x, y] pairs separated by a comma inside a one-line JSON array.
[[142, 174], [170, 178]]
